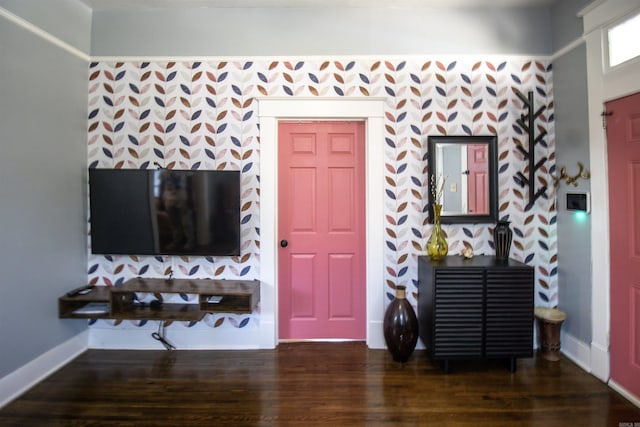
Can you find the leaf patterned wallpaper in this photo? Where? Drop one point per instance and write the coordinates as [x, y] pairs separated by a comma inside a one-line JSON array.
[[203, 115]]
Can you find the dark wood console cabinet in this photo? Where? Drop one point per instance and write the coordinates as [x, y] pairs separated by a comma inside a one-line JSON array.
[[119, 302], [475, 308]]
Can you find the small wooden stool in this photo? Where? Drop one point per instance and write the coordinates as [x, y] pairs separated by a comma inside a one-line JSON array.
[[549, 324]]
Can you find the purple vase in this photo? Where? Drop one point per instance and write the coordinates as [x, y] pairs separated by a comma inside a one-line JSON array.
[[400, 327]]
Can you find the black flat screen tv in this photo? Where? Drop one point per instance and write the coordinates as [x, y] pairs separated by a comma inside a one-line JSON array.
[[164, 212]]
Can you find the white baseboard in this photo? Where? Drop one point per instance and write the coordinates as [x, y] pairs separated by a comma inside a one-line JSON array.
[[600, 362], [592, 358], [25, 377], [627, 395], [576, 350], [375, 336], [201, 337], [267, 334], [195, 338]]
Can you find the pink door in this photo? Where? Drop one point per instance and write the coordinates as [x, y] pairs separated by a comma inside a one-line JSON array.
[[623, 139], [321, 226], [478, 167]]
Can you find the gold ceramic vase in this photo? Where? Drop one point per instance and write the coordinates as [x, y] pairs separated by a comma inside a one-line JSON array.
[[437, 247]]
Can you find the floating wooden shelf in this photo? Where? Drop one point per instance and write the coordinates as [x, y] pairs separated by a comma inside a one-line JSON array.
[[68, 306], [121, 302]]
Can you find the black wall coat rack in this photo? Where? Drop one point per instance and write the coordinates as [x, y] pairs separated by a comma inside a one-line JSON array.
[[527, 123]]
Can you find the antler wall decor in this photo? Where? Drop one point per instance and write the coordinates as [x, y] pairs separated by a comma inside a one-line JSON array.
[[527, 123], [569, 179]]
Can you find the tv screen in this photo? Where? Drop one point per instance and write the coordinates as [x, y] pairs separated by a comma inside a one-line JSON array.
[[164, 212]]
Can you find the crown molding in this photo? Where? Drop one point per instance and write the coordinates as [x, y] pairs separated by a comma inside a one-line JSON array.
[[21, 22]]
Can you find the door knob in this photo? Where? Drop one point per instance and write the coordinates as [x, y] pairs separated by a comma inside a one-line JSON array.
[[284, 243]]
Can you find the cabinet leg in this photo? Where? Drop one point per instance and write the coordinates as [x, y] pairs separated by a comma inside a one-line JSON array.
[[512, 364], [445, 366]]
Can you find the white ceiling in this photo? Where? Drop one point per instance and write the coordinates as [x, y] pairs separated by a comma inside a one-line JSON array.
[[146, 4]]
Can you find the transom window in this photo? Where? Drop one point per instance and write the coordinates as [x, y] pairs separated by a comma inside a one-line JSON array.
[[623, 41]]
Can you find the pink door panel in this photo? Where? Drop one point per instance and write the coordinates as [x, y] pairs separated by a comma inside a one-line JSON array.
[[478, 167], [623, 139], [321, 185]]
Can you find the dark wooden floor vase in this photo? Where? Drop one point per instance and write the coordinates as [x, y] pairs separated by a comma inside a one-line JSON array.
[[312, 384]]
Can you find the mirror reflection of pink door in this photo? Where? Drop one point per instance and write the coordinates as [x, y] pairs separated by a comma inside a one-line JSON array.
[[321, 227], [478, 167]]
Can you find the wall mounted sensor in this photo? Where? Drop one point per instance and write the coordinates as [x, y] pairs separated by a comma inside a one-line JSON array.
[[578, 202]]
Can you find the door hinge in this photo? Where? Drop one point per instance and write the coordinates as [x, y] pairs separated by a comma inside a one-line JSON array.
[[604, 116]]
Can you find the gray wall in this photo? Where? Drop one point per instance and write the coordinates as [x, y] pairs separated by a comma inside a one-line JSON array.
[[68, 20], [572, 146], [451, 159], [566, 26], [320, 31], [43, 120]]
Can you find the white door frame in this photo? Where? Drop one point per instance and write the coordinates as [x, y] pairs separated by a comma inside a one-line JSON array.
[[604, 84], [272, 110]]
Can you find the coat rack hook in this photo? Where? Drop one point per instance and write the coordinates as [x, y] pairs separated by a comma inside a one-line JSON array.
[[526, 122]]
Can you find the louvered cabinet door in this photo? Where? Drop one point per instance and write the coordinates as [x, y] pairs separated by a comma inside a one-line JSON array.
[[475, 308], [509, 312], [458, 313]]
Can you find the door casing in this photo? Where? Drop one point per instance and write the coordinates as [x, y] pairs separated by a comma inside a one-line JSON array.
[[371, 110], [603, 85]]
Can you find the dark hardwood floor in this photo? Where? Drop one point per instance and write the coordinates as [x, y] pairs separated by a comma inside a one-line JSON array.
[[303, 384]]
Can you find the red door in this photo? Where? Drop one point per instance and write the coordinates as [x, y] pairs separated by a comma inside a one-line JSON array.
[[623, 139], [478, 167], [321, 224]]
